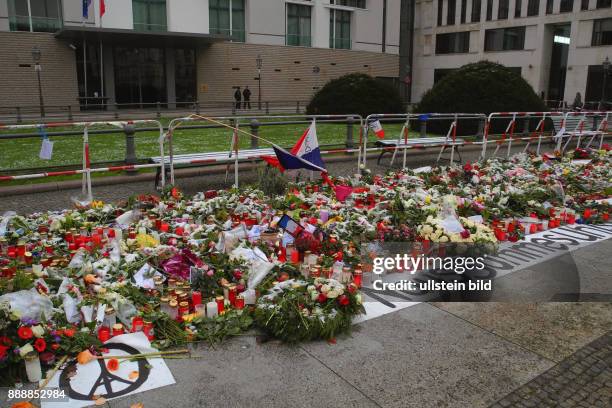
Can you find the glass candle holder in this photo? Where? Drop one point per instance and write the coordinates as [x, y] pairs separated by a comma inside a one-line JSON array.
[[32, 365]]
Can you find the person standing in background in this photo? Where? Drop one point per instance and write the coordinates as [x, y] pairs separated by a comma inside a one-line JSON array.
[[237, 97], [246, 96]]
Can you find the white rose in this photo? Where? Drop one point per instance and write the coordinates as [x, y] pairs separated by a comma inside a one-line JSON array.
[[25, 350], [444, 238], [38, 330], [325, 289], [332, 294]]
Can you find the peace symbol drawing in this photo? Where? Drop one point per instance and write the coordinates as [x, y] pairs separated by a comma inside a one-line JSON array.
[[107, 384]]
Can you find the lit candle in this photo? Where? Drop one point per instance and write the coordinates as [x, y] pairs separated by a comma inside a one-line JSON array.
[[239, 302], [118, 329], [211, 310], [358, 277], [220, 304], [196, 298], [104, 334], [137, 323], [232, 294]]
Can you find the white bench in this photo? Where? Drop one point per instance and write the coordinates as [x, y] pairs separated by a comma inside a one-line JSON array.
[[199, 159], [419, 143], [576, 126]]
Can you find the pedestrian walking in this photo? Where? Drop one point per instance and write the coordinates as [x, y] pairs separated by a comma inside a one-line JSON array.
[[237, 97], [246, 96]]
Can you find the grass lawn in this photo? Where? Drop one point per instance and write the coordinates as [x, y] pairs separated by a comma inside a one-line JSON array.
[[16, 154]]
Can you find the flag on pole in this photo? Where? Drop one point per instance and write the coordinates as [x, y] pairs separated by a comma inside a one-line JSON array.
[[304, 155], [102, 8], [86, 4], [377, 129]]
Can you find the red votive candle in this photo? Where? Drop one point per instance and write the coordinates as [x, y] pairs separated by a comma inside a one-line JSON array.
[[118, 329], [295, 257], [220, 304], [104, 334], [587, 214], [571, 218], [137, 324], [358, 278], [239, 302], [232, 292], [196, 298], [179, 231], [111, 233]]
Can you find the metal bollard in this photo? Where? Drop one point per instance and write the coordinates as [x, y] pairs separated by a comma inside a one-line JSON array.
[[116, 112], [158, 106], [297, 107], [349, 132], [197, 107], [130, 147], [423, 128], [69, 113], [233, 108], [267, 108], [255, 132], [18, 114]]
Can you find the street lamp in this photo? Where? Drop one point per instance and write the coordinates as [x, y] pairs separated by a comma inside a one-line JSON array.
[[606, 69], [36, 55], [259, 62]]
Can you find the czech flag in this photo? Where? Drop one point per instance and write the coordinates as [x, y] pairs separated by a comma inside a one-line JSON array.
[[304, 155], [377, 129]]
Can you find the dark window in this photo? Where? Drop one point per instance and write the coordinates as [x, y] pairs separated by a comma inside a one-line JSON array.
[[489, 10], [604, 3], [463, 10], [298, 25], [149, 15], [440, 5], [533, 8], [186, 76], [476, 5], [549, 6], [45, 15], [450, 13], [340, 29], [350, 3], [584, 4], [441, 73], [452, 43], [566, 6], [602, 32], [502, 11], [140, 76], [227, 17], [517, 8], [88, 73], [505, 39], [595, 82]]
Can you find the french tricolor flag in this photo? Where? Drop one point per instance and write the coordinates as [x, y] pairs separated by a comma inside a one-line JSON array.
[[304, 155], [377, 129]]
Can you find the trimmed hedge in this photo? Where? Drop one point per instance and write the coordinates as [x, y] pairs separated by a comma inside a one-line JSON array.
[[481, 87], [356, 93]]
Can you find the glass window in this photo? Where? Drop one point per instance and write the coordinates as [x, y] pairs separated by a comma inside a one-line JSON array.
[[566, 6], [149, 15], [549, 6], [476, 5], [140, 76], [298, 25], [502, 11], [489, 10], [517, 8], [584, 5], [186, 74], [340, 29], [463, 10], [604, 3], [602, 32], [504, 39], [226, 17], [45, 15], [440, 5], [452, 43], [533, 8], [450, 13]]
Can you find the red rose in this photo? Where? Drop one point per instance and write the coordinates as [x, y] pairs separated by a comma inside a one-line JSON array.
[[352, 288], [344, 300], [5, 341], [40, 345], [3, 350], [237, 275], [24, 333], [465, 234], [55, 346], [322, 298], [69, 332]]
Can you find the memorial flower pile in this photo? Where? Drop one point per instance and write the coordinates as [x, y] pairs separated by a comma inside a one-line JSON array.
[[217, 264]]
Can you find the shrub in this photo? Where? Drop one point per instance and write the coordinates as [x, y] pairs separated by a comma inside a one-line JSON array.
[[482, 87], [356, 93], [271, 181]]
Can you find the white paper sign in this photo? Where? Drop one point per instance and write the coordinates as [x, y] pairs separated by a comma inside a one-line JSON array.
[[46, 149], [93, 379], [452, 225]]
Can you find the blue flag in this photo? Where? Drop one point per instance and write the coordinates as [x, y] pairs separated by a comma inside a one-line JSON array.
[[86, 4]]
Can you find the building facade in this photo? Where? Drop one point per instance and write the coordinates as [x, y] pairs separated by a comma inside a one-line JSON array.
[[142, 52], [558, 46]]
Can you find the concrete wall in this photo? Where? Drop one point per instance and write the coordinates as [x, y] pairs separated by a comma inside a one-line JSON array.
[[18, 83], [118, 14], [287, 73], [188, 16], [265, 22], [534, 60], [4, 21]]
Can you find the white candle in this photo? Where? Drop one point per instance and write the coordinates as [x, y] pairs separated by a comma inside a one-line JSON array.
[[211, 309], [32, 365]]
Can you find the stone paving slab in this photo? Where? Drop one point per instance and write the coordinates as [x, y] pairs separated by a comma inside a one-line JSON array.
[[582, 380], [424, 357]]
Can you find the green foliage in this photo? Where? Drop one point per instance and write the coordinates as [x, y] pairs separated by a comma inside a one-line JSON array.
[[356, 93], [215, 330], [271, 181], [481, 87]]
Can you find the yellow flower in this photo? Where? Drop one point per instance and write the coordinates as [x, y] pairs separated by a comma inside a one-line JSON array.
[[565, 172], [146, 241], [97, 204], [428, 200]]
